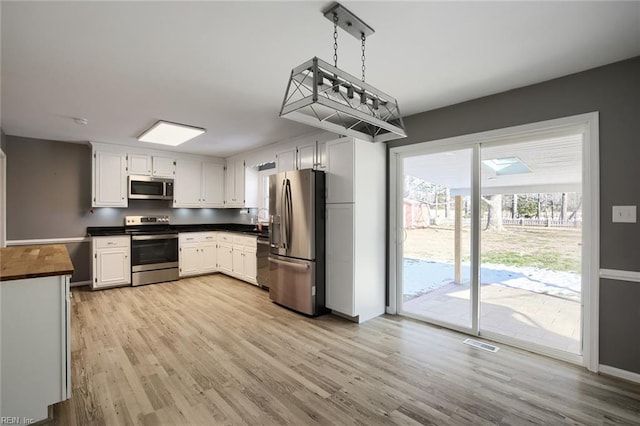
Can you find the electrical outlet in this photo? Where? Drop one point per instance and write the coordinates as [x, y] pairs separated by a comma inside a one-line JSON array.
[[624, 214]]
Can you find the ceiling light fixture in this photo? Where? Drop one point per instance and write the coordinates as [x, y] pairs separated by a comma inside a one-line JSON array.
[[168, 133], [324, 96]]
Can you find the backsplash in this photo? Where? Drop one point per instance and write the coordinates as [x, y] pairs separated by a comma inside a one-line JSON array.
[[105, 216]]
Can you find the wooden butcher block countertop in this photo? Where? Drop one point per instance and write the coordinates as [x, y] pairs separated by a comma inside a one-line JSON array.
[[21, 262]]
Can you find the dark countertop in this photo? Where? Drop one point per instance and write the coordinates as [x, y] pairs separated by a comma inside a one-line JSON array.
[[22, 262], [105, 231]]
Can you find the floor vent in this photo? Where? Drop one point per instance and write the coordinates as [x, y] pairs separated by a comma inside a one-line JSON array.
[[481, 345]]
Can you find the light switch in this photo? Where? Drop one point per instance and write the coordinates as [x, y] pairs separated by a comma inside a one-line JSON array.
[[625, 214]]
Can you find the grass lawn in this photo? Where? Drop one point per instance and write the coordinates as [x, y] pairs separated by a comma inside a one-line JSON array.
[[557, 249]]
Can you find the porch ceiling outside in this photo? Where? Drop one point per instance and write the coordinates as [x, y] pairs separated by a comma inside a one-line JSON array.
[[555, 164]]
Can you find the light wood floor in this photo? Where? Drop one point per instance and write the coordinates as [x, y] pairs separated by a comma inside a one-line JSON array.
[[213, 350]]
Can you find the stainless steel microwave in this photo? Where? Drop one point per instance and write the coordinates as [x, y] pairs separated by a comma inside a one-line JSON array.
[[150, 188]]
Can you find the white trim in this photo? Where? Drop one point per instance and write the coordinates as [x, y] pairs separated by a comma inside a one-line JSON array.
[[394, 242], [3, 199], [49, 241], [591, 241], [79, 283], [621, 374], [588, 124], [615, 274], [475, 239]]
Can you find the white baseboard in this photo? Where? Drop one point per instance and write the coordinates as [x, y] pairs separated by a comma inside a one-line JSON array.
[[40, 241], [80, 283], [621, 374]]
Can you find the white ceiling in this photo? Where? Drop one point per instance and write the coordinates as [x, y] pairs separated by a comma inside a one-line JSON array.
[[224, 66]]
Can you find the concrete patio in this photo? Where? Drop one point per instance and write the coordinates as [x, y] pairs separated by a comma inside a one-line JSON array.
[[537, 318]]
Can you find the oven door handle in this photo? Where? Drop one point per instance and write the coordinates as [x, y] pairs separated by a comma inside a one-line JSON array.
[[154, 237]]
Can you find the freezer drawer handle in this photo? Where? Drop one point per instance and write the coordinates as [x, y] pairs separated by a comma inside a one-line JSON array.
[[294, 265]]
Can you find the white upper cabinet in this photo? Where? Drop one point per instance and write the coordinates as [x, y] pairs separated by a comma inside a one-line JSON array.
[[147, 165], [212, 185], [306, 157], [234, 184], [164, 167], [187, 186], [109, 179], [198, 184], [340, 171], [286, 160], [139, 164], [310, 156]]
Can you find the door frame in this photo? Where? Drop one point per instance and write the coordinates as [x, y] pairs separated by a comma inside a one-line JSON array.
[[3, 199], [588, 125]]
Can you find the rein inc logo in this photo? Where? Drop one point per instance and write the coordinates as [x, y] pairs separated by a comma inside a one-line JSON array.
[[6, 420]]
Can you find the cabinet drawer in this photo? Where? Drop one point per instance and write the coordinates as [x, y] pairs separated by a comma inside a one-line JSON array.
[[189, 237], [209, 237], [244, 240], [225, 237], [111, 242]]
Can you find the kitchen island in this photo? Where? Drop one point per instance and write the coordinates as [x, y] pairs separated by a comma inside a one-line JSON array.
[[35, 330]]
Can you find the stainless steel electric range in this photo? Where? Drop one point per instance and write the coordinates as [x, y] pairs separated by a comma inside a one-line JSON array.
[[154, 249]]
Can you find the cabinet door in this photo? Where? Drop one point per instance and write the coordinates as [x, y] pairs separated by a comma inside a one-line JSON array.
[[306, 157], [251, 187], [340, 171], [340, 284], [164, 167], [238, 260], [139, 164], [110, 180], [321, 156], [189, 259], [112, 267], [208, 257], [239, 182], [286, 161], [187, 185], [225, 258], [212, 185], [250, 265]]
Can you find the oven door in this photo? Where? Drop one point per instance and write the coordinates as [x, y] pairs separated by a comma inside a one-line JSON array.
[[149, 252]]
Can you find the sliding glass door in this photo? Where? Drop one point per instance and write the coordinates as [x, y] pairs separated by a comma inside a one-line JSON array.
[[491, 239], [437, 237], [531, 242]]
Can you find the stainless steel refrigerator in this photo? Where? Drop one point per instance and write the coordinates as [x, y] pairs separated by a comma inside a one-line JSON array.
[[297, 240]]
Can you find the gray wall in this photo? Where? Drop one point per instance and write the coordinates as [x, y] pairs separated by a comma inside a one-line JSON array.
[[49, 196], [614, 91], [3, 140]]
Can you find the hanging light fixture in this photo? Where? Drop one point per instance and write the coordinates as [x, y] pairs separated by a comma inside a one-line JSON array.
[[324, 96]]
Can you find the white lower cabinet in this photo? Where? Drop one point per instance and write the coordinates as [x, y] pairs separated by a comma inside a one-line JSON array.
[[111, 261], [197, 253], [225, 257], [244, 258], [340, 256], [36, 348], [226, 252]]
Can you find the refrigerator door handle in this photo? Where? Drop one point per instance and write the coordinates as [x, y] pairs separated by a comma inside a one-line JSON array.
[[290, 264], [288, 213], [283, 230]]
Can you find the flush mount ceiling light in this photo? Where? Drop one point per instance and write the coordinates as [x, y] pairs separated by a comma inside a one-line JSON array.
[[168, 133], [324, 96]]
